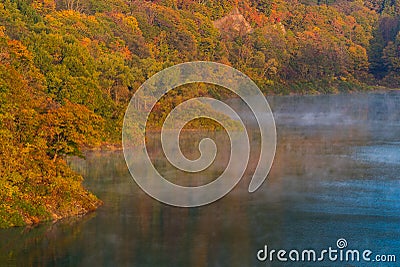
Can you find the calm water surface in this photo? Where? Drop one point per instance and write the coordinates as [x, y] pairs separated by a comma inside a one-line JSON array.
[[336, 175]]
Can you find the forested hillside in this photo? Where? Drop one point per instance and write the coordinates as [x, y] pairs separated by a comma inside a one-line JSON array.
[[69, 67]]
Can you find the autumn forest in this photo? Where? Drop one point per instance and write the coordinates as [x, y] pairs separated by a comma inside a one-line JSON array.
[[68, 69]]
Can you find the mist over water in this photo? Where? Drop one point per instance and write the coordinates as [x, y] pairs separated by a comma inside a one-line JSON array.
[[343, 109], [335, 175]]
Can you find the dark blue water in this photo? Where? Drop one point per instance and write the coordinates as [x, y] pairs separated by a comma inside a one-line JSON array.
[[336, 175]]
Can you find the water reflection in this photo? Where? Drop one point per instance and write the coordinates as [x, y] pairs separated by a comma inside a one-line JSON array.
[[335, 175]]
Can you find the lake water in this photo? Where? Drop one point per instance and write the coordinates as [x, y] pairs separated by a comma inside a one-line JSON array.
[[336, 175]]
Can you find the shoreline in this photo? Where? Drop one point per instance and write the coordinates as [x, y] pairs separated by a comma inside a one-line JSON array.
[[113, 147], [87, 203]]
